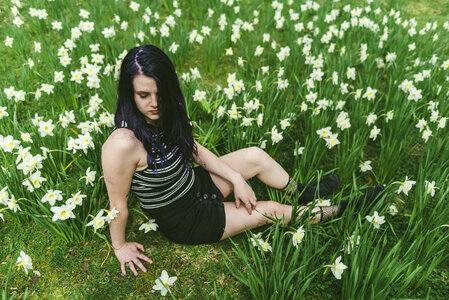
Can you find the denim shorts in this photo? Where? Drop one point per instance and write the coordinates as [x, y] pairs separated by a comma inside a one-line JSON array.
[[196, 218]]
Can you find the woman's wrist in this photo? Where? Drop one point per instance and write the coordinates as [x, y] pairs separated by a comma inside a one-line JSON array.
[[236, 178], [119, 246]]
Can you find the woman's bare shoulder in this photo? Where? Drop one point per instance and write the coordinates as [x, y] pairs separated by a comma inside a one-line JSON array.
[[121, 140]]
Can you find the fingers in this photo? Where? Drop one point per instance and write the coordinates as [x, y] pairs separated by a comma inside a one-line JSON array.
[[253, 201], [249, 210], [237, 203], [133, 269], [148, 260], [122, 265], [140, 247], [248, 207], [140, 265]]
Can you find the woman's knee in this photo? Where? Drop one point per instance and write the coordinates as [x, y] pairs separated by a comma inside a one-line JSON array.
[[258, 155]]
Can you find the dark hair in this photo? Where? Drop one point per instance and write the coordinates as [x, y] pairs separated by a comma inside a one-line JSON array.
[[173, 122]]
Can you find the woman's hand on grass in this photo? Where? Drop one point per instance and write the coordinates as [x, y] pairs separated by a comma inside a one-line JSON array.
[[129, 254]]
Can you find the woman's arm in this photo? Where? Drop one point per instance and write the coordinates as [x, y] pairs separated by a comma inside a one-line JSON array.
[[118, 162], [211, 162]]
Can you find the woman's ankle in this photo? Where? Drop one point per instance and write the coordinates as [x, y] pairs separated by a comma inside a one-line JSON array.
[[290, 188]]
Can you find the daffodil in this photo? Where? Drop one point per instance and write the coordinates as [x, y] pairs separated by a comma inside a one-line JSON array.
[[52, 196], [90, 176], [164, 282], [337, 268], [371, 118], [4, 195], [98, 221], [351, 243], [370, 94], [374, 133], [275, 135], [46, 128], [150, 225], [13, 204], [173, 47], [376, 220], [323, 202], [9, 41], [62, 212], [199, 95], [34, 181], [298, 236], [332, 141], [24, 261], [430, 188], [76, 199], [324, 132], [285, 123], [405, 186], [366, 166], [112, 214], [392, 210]]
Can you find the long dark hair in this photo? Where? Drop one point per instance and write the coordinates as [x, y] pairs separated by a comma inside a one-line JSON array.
[[173, 122]]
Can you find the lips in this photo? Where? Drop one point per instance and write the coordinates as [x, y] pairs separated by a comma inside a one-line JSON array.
[[154, 111]]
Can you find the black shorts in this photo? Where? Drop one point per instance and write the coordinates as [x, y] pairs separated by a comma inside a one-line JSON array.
[[196, 218]]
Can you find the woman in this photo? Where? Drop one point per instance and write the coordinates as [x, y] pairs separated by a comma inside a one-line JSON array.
[[150, 153]]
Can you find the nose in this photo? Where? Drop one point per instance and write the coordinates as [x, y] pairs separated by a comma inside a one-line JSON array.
[[153, 100]]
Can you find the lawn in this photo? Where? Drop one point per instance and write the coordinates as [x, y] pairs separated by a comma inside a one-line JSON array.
[[354, 87]]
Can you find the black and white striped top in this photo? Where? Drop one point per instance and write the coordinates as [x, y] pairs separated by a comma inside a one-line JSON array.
[[173, 182], [160, 184]]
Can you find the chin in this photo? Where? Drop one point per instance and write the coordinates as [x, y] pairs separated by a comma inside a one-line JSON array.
[[153, 121]]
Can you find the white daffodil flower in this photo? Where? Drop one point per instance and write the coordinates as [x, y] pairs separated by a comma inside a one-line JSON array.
[[430, 188], [112, 214], [25, 262], [405, 186], [298, 236], [76, 199], [150, 225], [52, 196], [366, 166], [98, 221], [163, 283], [392, 210], [376, 220], [62, 212], [337, 268], [351, 243]]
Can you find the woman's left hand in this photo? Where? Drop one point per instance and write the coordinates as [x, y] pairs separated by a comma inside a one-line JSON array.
[[243, 192]]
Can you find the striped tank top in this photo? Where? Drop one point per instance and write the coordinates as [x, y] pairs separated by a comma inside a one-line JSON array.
[[160, 184]]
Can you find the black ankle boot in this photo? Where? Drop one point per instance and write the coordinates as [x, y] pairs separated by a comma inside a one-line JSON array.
[[326, 186], [369, 200]]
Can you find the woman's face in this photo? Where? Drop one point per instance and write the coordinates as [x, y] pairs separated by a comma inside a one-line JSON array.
[[145, 96]]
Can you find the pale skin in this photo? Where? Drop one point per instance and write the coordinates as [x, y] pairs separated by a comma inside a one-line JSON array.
[[123, 154]]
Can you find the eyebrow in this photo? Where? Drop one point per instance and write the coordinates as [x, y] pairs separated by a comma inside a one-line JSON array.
[[143, 92]]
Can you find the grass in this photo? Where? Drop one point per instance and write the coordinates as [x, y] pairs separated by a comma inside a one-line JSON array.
[[76, 270]]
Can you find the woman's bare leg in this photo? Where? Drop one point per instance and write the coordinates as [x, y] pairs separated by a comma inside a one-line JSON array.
[[238, 220], [250, 162]]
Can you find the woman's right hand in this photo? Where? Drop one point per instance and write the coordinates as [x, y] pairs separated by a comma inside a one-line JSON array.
[[129, 254]]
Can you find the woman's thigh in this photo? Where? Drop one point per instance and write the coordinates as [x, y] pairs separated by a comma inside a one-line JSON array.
[[243, 161]]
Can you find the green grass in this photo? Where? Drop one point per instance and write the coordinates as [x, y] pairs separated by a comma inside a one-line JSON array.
[[76, 271]]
